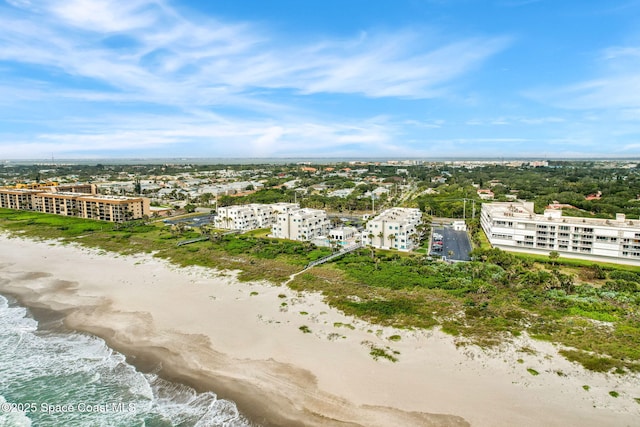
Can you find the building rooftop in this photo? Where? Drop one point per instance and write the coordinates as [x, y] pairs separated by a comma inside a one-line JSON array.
[[398, 214], [524, 210]]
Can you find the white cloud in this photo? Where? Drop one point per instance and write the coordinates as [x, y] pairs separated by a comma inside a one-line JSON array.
[[208, 133], [19, 3], [616, 87], [182, 57], [113, 54], [103, 15], [502, 121]]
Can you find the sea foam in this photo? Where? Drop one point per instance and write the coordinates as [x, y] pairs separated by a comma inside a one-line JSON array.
[[50, 378]]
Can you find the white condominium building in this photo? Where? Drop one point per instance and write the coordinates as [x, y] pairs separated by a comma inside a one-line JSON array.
[[394, 228], [250, 217], [515, 226], [301, 224]]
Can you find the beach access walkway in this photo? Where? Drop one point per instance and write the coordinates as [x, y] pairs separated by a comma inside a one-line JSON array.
[[202, 238], [334, 255], [327, 258]]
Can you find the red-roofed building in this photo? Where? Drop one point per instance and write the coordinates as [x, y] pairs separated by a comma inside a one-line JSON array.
[[485, 194], [594, 196]]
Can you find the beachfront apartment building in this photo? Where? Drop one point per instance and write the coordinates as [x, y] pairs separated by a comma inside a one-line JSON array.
[[91, 206], [301, 224], [395, 228], [514, 226], [108, 208], [251, 216], [18, 199]]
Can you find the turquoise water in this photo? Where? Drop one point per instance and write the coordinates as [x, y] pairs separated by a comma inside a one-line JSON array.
[[51, 378]]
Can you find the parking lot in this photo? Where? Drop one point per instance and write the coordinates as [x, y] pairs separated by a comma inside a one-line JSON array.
[[449, 243], [192, 221]]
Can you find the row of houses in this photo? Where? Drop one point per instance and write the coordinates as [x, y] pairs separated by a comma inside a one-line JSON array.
[[515, 226], [79, 201]]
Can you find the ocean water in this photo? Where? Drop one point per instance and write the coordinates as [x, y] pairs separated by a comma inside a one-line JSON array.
[[52, 378]]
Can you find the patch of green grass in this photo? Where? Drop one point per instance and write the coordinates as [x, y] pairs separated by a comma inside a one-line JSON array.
[[344, 325], [379, 352], [305, 329], [304, 313], [533, 371], [586, 387], [282, 296], [395, 338], [520, 361], [614, 394], [589, 361], [527, 350], [253, 294], [573, 262], [637, 399]]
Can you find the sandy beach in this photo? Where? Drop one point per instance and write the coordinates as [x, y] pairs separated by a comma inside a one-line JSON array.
[[243, 341]]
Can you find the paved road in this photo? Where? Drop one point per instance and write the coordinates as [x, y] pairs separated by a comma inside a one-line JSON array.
[[455, 241]]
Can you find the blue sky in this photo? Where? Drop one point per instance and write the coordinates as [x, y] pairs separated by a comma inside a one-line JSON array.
[[331, 78]]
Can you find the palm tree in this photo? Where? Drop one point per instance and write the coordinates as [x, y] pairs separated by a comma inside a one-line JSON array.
[[206, 198], [381, 237], [392, 237], [415, 239], [371, 236]]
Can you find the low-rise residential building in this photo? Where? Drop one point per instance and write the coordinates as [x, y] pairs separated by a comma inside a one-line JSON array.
[[343, 235], [485, 194], [459, 226], [394, 228], [343, 193], [515, 226], [377, 193], [252, 216], [301, 224]]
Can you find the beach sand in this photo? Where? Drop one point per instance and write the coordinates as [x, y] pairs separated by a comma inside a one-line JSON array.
[[205, 328]]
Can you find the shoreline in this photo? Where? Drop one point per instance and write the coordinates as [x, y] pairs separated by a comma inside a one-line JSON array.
[[214, 333]]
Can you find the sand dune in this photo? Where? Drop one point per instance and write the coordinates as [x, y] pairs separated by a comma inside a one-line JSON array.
[[211, 331]]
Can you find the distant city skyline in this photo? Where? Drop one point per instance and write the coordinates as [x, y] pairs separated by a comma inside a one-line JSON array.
[[308, 79]]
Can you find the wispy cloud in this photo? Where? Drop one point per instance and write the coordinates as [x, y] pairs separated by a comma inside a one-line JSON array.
[[218, 76], [207, 134], [169, 56], [616, 87], [502, 121]]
